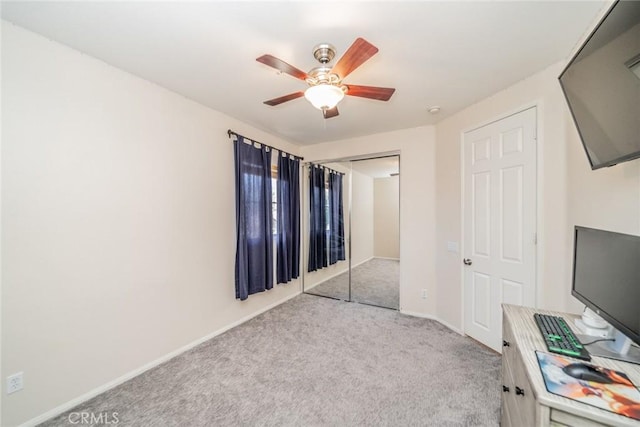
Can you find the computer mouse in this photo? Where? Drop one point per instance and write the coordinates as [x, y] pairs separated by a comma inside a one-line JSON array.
[[586, 373]]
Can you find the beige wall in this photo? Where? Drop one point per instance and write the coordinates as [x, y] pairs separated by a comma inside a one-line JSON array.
[[417, 211], [606, 198], [386, 217], [361, 218], [569, 193], [118, 223]]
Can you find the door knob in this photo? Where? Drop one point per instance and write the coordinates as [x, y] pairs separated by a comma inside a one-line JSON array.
[[467, 261]]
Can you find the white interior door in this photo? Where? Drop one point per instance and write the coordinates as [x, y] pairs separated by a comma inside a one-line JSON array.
[[499, 223]]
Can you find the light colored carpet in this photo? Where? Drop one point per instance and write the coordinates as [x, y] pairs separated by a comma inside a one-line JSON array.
[[375, 282], [316, 362]]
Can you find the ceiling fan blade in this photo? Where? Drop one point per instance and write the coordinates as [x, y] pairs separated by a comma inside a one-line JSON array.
[[280, 65], [360, 51], [371, 92], [285, 98], [332, 112]]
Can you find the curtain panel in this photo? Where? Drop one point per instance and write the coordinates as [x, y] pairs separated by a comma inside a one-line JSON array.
[[288, 214], [317, 220], [254, 241], [336, 218]]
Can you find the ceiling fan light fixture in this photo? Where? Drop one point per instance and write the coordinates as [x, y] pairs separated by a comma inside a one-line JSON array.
[[325, 83], [324, 96]]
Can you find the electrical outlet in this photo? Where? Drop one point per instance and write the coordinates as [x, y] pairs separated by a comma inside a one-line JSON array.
[[14, 383], [424, 294]]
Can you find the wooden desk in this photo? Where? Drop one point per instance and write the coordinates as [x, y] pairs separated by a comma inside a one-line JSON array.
[[527, 402]]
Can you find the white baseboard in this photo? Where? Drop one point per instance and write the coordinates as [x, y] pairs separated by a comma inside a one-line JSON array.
[[386, 257], [129, 375], [430, 317], [362, 262], [328, 278]]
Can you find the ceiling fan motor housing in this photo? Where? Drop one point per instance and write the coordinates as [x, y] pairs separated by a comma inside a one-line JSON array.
[[324, 52]]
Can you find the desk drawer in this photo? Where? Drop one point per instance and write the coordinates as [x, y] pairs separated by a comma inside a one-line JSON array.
[[522, 393], [567, 419], [518, 400]]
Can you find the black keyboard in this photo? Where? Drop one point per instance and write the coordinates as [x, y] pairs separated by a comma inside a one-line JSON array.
[[559, 337]]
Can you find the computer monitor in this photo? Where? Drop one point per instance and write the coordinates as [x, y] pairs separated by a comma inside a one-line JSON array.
[[606, 278]]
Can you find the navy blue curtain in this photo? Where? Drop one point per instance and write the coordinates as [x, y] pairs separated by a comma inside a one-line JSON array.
[[254, 241], [336, 219], [318, 247], [288, 237]]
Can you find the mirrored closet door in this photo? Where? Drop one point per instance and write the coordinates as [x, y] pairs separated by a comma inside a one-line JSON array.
[[370, 272], [375, 231], [326, 229]]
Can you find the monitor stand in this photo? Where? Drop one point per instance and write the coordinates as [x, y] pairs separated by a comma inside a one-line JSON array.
[[613, 349]]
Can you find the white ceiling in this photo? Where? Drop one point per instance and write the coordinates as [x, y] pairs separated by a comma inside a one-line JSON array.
[[381, 167], [450, 54]]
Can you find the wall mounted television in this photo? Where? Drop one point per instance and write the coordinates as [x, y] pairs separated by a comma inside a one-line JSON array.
[[602, 87]]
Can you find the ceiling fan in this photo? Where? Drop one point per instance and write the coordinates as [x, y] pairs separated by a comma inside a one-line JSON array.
[[326, 89]]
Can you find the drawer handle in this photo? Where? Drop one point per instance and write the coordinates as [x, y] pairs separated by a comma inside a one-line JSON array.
[[505, 343], [519, 391], [505, 389]]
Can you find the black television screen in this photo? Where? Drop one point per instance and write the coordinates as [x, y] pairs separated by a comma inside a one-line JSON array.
[[602, 87], [606, 277]]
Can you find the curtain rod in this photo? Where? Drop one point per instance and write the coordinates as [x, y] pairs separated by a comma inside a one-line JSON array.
[[231, 133], [325, 167]]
